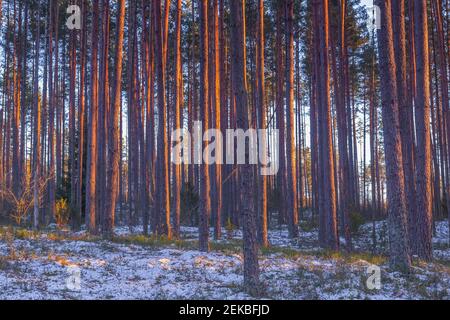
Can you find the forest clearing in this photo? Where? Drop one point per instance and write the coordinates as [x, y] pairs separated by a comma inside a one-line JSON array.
[[135, 267]]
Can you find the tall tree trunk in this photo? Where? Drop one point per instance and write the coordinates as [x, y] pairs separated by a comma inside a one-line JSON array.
[[178, 112], [251, 266], [260, 67], [399, 253], [328, 192], [51, 115], [423, 237], [37, 124], [72, 163], [443, 68], [81, 114], [162, 173], [282, 180], [17, 62], [216, 101], [292, 206], [205, 200], [91, 196], [344, 164], [103, 108], [113, 129], [398, 17]]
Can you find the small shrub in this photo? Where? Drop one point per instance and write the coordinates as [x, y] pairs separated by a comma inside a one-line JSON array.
[[189, 204], [62, 213], [4, 263], [356, 221], [230, 229]]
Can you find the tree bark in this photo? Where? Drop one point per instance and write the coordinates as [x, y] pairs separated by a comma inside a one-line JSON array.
[[328, 192], [292, 205], [251, 266], [423, 237], [91, 194], [114, 133], [399, 253], [260, 67], [162, 173], [205, 189]]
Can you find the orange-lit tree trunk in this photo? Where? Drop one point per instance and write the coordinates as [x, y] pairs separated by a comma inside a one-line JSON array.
[[326, 158], [443, 68], [423, 238], [72, 135], [178, 111], [91, 196], [51, 115], [113, 129], [16, 163], [81, 114], [37, 124], [262, 119], [344, 164], [216, 107], [398, 25], [162, 166], [205, 189], [291, 194]]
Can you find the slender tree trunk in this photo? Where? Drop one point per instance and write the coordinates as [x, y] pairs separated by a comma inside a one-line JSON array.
[[162, 173], [216, 100], [251, 266], [443, 68], [280, 114], [91, 199], [292, 205], [398, 17], [260, 67], [81, 115], [51, 115], [114, 134], [328, 192], [178, 112], [37, 124], [205, 200], [423, 237], [344, 164], [72, 163]]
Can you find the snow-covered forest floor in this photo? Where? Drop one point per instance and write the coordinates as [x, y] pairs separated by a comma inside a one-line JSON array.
[[46, 265]]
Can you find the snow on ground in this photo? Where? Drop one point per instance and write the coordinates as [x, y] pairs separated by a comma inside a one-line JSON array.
[[45, 266]]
